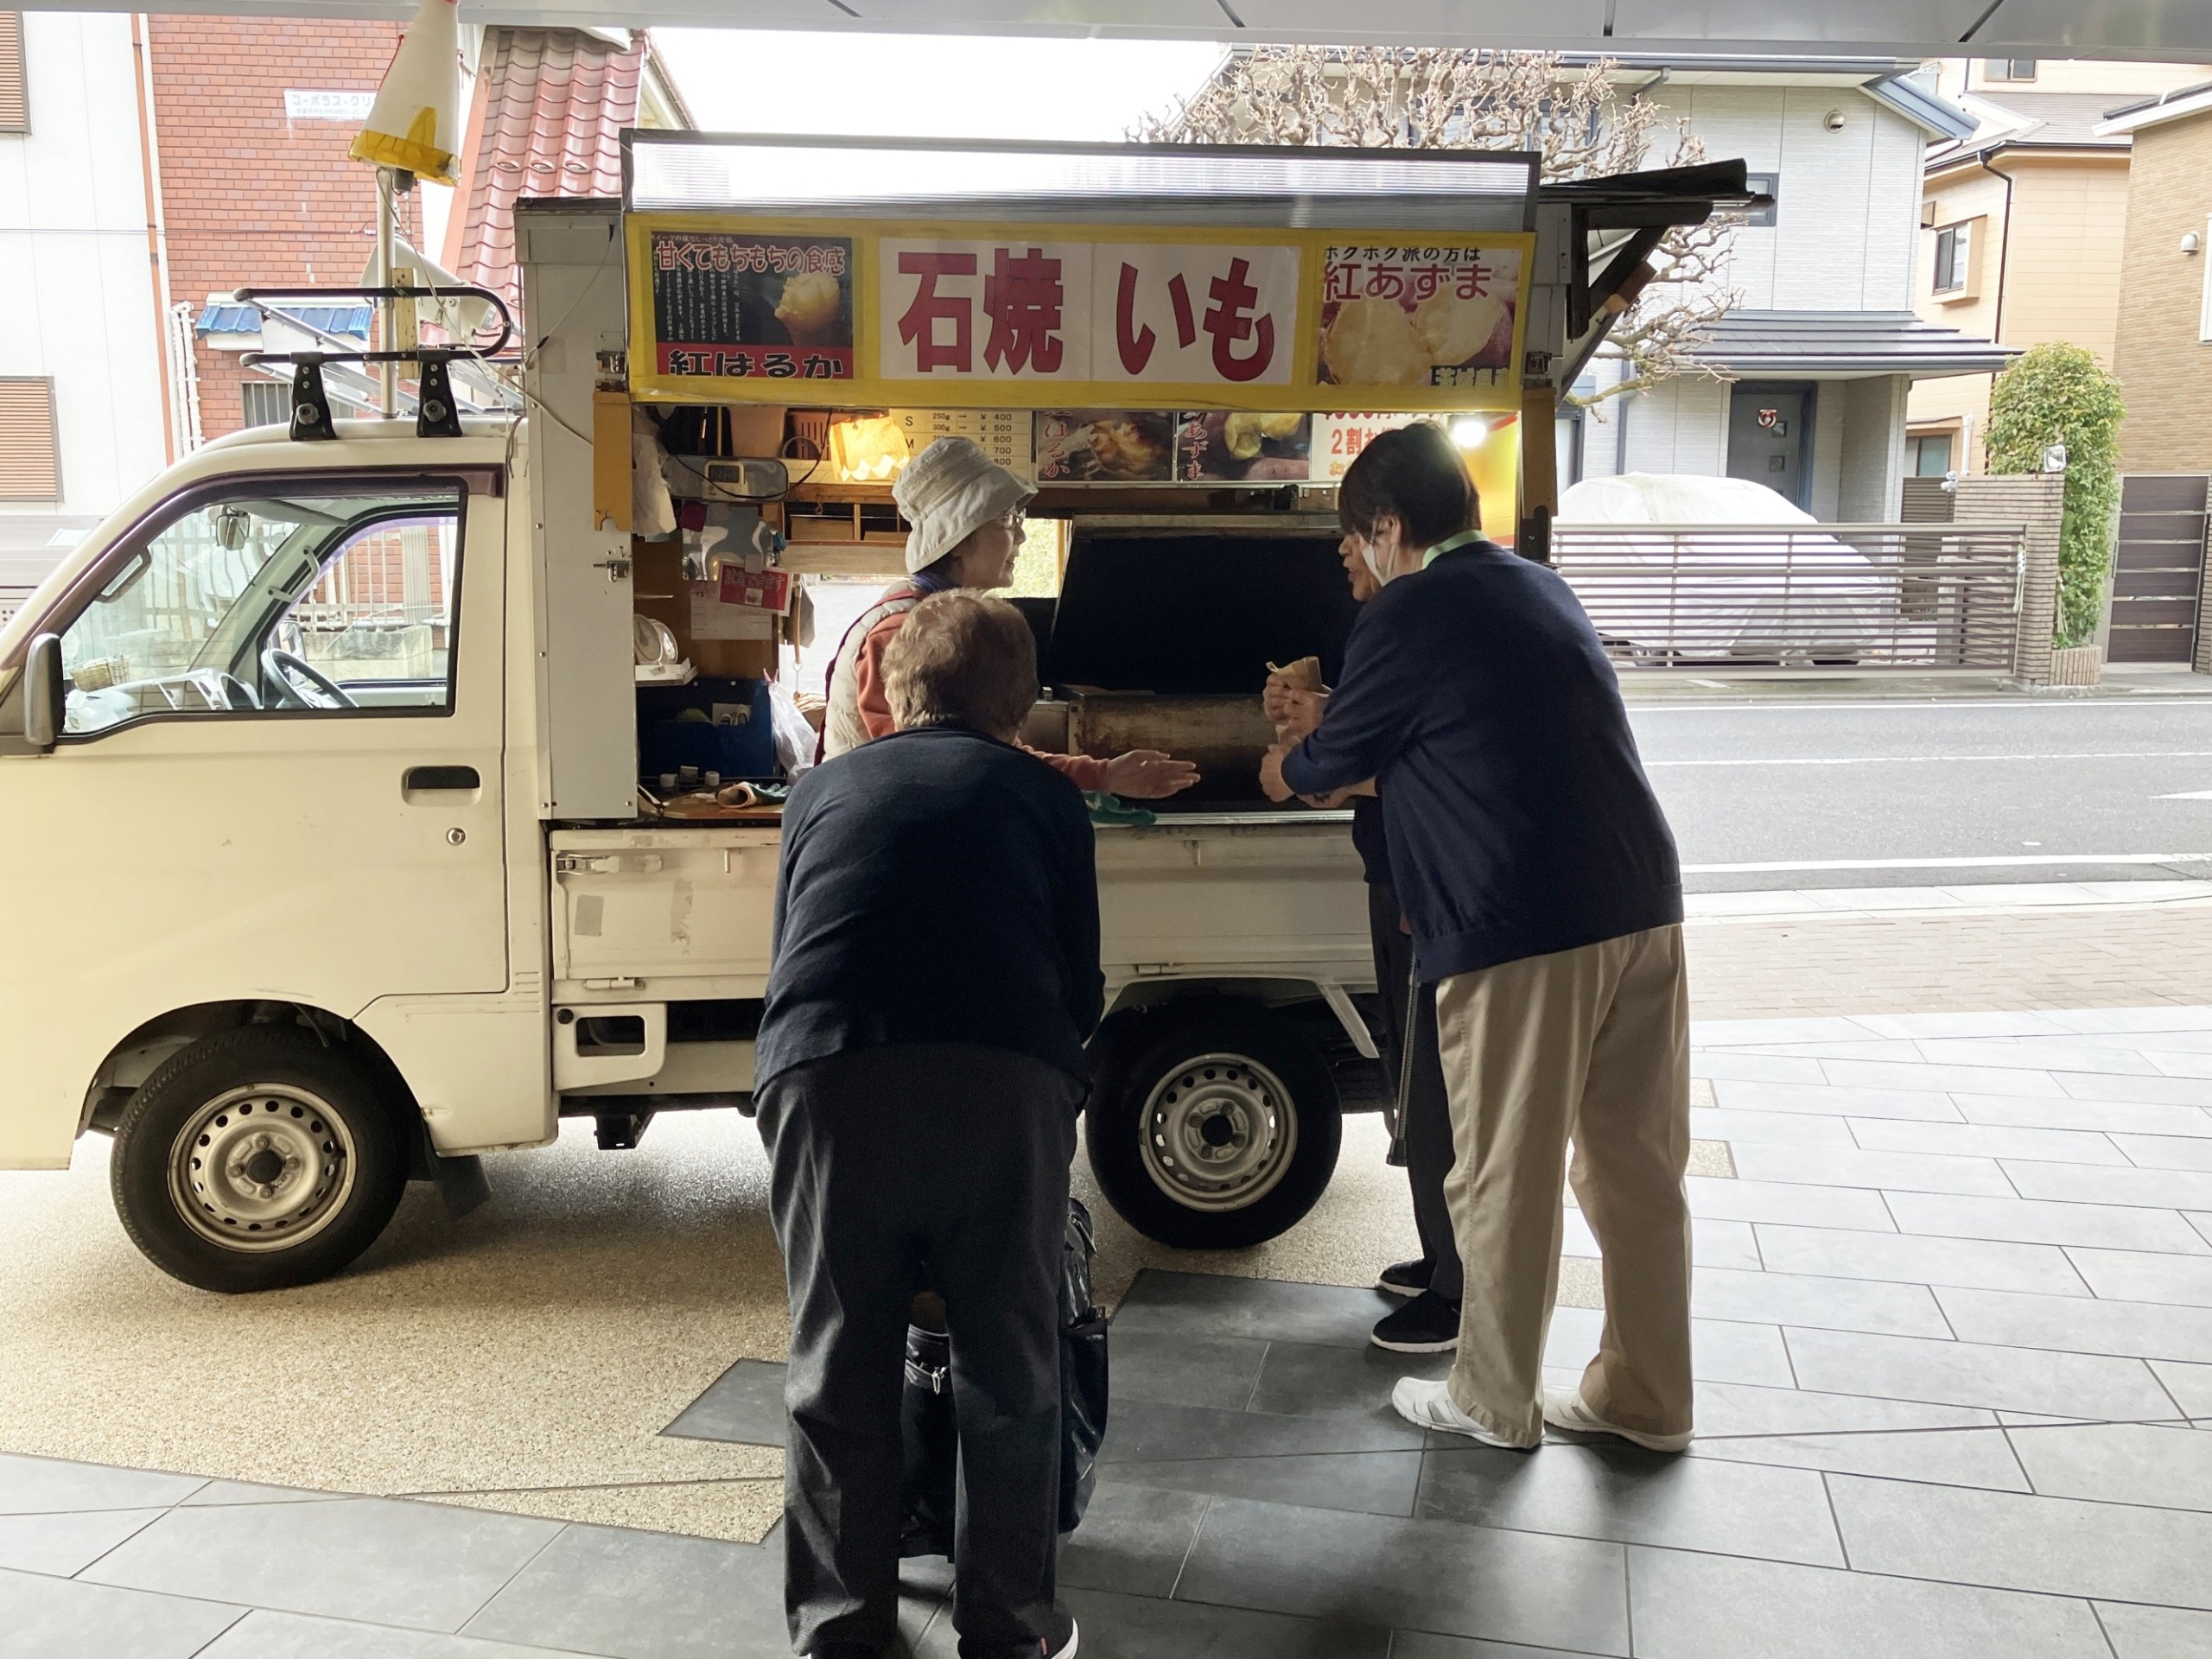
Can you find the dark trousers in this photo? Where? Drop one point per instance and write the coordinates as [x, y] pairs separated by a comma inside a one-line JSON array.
[[912, 1166], [1427, 1114]]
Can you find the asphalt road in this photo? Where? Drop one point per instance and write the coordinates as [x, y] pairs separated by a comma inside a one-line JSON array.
[[1800, 795]]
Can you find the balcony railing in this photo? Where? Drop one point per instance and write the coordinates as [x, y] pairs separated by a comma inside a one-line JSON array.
[[1799, 598]]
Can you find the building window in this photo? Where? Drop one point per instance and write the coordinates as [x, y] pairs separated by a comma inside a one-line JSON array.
[[30, 453], [268, 403], [15, 106], [2009, 68], [1954, 255], [1927, 454], [1764, 184]]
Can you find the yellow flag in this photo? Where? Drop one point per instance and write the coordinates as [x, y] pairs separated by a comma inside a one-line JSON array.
[[415, 124]]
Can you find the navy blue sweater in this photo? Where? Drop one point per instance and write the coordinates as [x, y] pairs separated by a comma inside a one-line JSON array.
[[936, 886], [1519, 819]]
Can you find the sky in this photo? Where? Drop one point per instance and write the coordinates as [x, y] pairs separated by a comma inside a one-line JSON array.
[[928, 85]]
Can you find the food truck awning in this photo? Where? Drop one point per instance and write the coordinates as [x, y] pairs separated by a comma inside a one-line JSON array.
[[2153, 30]]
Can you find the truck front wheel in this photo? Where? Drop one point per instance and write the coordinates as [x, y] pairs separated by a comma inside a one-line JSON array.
[[257, 1159], [1213, 1124]]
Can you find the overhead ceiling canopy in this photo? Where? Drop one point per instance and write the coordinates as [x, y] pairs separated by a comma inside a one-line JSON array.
[[2150, 29]]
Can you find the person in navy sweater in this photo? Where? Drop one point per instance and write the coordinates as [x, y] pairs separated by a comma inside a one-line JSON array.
[[919, 1072], [1541, 883]]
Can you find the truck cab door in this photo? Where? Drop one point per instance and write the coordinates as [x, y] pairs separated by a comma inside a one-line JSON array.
[[280, 776]]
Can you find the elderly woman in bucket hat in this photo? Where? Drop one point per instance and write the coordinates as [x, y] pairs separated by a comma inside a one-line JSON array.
[[966, 514]]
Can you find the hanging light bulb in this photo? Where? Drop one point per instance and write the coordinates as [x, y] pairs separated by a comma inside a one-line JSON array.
[[1469, 431]]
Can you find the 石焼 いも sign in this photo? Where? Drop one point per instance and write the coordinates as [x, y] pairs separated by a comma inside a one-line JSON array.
[[953, 316]]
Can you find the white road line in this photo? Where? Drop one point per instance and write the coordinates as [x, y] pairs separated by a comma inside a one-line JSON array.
[[2014, 860], [2192, 795], [1640, 706], [1948, 760]]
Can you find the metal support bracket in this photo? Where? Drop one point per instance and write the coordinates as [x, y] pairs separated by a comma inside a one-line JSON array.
[[435, 417], [310, 405]]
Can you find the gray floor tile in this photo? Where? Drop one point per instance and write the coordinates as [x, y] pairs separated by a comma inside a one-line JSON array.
[[1132, 1539], [1145, 1431], [1836, 1304], [2201, 1222], [1948, 1457], [1817, 1028], [1313, 1379], [2021, 1222], [1712, 1243], [1424, 1644], [2120, 1462], [65, 1545], [2190, 1385], [294, 1635], [43, 1485], [2173, 1061], [2054, 1545], [2118, 1020], [1630, 1497], [1924, 1102], [1783, 1128], [1976, 1374], [1985, 1140], [1214, 1304], [423, 1566], [246, 1491], [1866, 1048], [2163, 1091], [2079, 1324], [644, 1595], [1808, 1206], [43, 1617], [1178, 1369], [1373, 1483], [2156, 1632], [1692, 1606], [1139, 1627], [1960, 1026], [1726, 1409], [2167, 1151], [744, 1405], [1978, 1079], [1432, 1575], [2146, 1189], [1916, 1259], [2043, 1053], [1738, 1066], [1721, 1351], [1906, 1171], [2101, 1117]]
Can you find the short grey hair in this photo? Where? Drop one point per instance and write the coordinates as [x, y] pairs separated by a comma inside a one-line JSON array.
[[962, 660]]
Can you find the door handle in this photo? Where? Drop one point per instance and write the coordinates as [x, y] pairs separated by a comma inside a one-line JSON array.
[[423, 778]]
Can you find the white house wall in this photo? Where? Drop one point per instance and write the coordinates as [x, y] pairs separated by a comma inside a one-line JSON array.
[[1828, 417], [73, 263], [1873, 447], [1680, 426]]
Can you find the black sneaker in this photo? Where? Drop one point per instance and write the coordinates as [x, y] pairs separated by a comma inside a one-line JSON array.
[[1427, 1324], [1405, 1278], [1061, 1645]]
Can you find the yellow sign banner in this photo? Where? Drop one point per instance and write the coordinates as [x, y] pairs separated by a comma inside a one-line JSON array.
[[927, 313]]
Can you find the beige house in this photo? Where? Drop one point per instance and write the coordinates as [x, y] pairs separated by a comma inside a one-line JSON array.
[[2164, 346], [2022, 224]]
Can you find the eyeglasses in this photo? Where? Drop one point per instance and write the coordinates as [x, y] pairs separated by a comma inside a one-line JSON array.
[[1015, 522]]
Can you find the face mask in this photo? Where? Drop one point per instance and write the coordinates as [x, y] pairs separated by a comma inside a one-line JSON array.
[[1377, 566]]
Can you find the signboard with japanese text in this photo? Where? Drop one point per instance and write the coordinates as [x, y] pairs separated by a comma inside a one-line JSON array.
[[1075, 317]]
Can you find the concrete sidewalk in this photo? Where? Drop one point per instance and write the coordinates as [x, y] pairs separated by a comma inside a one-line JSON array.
[[1842, 685]]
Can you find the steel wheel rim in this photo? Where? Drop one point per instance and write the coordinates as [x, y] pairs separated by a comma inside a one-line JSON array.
[[1219, 1133], [265, 1166]]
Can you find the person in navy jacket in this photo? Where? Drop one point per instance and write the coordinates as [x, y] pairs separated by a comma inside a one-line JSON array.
[[1539, 880]]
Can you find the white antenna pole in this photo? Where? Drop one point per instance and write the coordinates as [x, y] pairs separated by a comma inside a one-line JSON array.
[[387, 309]]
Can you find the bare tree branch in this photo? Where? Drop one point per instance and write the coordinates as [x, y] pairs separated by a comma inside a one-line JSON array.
[[1439, 97]]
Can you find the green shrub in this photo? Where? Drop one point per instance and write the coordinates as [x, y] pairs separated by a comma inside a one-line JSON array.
[[2056, 393]]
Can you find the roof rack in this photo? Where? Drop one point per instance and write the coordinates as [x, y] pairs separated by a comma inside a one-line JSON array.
[[436, 415]]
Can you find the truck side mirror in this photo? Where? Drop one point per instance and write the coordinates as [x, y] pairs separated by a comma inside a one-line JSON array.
[[45, 692]]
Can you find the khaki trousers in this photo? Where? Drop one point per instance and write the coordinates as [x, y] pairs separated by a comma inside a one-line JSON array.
[[1590, 1045]]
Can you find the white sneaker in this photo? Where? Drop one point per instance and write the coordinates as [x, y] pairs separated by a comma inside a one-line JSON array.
[[1563, 1409], [1068, 1652], [1429, 1405]]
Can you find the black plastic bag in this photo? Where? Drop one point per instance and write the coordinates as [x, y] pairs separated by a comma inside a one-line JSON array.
[[928, 1431]]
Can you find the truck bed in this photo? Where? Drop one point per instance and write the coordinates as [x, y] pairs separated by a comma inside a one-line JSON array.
[[675, 912]]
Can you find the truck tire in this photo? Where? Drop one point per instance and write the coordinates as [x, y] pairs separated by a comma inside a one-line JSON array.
[[257, 1159], [1213, 1123]]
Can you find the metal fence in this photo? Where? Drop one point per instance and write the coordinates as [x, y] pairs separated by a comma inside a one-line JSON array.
[[1791, 598]]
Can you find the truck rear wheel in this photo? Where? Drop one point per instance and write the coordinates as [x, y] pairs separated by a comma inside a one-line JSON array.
[[1213, 1125], [257, 1159]]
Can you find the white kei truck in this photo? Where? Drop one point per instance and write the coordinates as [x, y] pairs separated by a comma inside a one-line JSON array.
[[320, 759]]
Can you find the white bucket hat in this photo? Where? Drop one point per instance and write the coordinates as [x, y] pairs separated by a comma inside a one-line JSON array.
[[948, 492]]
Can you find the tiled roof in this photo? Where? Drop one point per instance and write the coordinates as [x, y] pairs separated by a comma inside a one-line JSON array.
[[546, 120], [349, 320], [2035, 119]]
